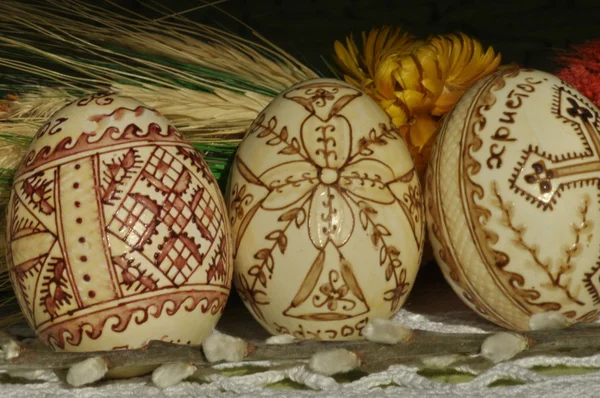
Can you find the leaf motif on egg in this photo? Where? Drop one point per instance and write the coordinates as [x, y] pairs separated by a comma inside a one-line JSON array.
[[114, 226], [325, 182], [511, 207]]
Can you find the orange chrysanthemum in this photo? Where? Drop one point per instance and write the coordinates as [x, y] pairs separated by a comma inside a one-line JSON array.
[[416, 82]]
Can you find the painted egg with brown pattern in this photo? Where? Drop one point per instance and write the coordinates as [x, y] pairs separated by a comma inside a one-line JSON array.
[[327, 213], [116, 231], [512, 199]]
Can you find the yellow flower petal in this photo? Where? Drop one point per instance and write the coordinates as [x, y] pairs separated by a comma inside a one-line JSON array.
[[398, 113], [348, 62], [409, 74], [384, 80], [435, 87], [373, 68], [380, 44], [415, 101], [462, 62], [421, 130], [415, 82]]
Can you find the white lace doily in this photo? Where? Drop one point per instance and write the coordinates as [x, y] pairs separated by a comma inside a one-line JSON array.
[[432, 306]]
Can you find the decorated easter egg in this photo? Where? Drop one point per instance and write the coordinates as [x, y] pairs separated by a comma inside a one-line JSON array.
[[326, 213], [512, 199], [116, 231]]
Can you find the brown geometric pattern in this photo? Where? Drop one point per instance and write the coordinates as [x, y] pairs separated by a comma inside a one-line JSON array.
[[134, 221], [151, 237], [540, 176], [210, 220], [105, 225], [181, 205], [176, 214]]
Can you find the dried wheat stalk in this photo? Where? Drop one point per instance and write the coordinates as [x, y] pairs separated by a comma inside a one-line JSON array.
[[211, 84]]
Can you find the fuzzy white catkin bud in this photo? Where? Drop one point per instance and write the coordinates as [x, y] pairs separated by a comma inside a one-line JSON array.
[[87, 371], [281, 339], [27, 374], [170, 374], [551, 320], [441, 361], [331, 362], [503, 346], [221, 347], [386, 331], [11, 350]]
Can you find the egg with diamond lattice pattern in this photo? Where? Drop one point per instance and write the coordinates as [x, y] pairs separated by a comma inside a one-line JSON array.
[[116, 231], [512, 199], [326, 213]]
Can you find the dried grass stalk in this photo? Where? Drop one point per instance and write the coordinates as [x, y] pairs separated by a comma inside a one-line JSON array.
[[209, 82]]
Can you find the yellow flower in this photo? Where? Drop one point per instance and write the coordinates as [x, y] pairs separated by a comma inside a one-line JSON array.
[[379, 46], [462, 62], [348, 61], [415, 82]]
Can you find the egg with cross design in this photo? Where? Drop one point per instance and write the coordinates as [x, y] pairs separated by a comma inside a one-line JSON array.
[[116, 231], [326, 213], [512, 199]]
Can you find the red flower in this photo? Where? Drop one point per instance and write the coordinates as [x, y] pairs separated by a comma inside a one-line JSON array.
[[581, 69]]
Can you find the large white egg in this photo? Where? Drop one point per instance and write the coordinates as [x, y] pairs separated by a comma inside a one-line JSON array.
[[512, 199], [116, 231], [327, 213]]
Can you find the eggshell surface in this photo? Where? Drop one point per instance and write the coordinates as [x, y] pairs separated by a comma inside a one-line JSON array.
[[116, 231], [512, 199], [327, 213]]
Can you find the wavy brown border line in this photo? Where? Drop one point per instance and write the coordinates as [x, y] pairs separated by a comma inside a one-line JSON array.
[[477, 216], [511, 284], [74, 328], [447, 259], [89, 141]]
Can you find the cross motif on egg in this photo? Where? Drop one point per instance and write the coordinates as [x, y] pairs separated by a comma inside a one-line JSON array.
[[326, 181], [549, 173], [512, 196]]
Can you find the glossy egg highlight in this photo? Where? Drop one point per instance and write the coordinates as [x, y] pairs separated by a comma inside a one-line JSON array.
[[326, 213], [116, 231], [512, 199]]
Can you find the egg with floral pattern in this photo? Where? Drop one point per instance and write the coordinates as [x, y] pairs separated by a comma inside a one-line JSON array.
[[326, 213]]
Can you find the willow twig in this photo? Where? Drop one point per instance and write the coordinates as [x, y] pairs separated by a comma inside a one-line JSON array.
[[373, 355]]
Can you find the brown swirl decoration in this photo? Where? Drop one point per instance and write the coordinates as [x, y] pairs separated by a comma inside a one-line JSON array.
[[512, 284], [122, 233], [327, 174], [101, 99], [92, 324], [452, 271], [51, 127], [95, 140], [470, 167]]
